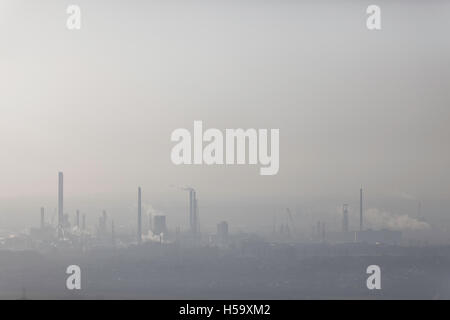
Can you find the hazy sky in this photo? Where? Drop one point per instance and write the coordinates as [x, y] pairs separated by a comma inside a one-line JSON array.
[[353, 106]]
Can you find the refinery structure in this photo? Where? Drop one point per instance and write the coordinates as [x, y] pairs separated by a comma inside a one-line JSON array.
[[156, 228], [150, 228], [155, 257]]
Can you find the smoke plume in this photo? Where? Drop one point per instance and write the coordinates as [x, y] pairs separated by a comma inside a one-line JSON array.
[[380, 219]]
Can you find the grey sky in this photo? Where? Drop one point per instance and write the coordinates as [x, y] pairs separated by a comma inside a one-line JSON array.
[[353, 107]]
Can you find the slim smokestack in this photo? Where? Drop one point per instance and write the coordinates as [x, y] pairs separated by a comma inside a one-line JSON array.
[[42, 218], [360, 209], [60, 203], [193, 219], [139, 226]]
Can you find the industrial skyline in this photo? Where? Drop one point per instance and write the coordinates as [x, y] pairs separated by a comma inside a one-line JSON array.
[[278, 149], [156, 223], [156, 241]]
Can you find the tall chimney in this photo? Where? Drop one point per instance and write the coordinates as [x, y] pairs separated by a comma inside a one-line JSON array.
[[360, 209], [193, 211], [42, 218], [60, 203], [139, 226]]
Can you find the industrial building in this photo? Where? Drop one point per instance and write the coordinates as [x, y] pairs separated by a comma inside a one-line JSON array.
[[159, 225], [222, 232], [193, 212]]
